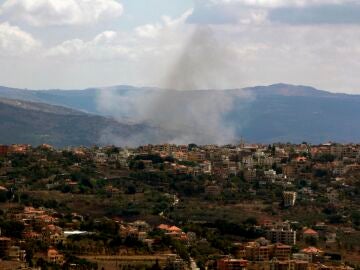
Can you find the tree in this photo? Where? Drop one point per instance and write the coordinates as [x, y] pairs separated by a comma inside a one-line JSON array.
[[192, 146], [12, 228], [156, 266], [312, 241], [251, 221], [131, 189]]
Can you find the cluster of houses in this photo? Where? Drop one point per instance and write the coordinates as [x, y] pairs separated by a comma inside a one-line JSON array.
[[39, 224], [276, 251], [274, 264], [294, 160], [279, 163]]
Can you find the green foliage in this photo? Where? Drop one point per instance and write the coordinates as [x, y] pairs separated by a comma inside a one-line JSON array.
[[104, 226], [355, 217], [12, 228], [325, 158], [311, 241], [192, 146], [136, 165]]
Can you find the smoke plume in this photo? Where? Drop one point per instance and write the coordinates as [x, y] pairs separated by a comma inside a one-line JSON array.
[[180, 112]]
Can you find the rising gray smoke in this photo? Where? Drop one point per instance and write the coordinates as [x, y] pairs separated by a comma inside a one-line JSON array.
[[185, 114], [205, 63]]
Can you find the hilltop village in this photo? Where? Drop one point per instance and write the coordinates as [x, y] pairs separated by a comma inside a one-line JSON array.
[[180, 207]]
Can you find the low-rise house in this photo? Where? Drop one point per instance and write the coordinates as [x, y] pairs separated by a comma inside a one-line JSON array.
[[302, 256], [54, 256], [249, 174], [313, 252], [15, 253], [231, 264], [289, 265], [256, 251], [53, 234], [310, 233], [331, 238], [173, 231], [206, 167], [101, 157]]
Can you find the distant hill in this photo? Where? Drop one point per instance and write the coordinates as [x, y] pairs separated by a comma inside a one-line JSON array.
[[278, 112], [37, 123]]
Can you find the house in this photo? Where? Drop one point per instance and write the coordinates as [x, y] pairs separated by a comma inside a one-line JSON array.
[[256, 251], [289, 265], [281, 252], [4, 149], [4, 246], [331, 238], [206, 167], [53, 234], [173, 231], [249, 175], [312, 252], [310, 233], [15, 253], [231, 264], [53, 256], [302, 257]]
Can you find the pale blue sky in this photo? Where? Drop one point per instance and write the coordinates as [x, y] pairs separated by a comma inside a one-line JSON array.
[[77, 43], [138, 12]]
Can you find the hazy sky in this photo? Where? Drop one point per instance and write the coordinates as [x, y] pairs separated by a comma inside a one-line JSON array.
[[81, 43]]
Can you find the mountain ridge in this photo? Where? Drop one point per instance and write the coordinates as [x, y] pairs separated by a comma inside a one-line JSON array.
[[278, 112], [37, 123]]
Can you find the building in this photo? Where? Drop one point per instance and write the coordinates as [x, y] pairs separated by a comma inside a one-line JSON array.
[[281, 235], [53, 234], [313, 253], [302, 257], [15, 253], [257, 252], [310, 233], [173, 231], [4, 149], [175, 262], [54, 256], [231, 264], [289, 198], [289, 265], [281, 252], [250, 174], [197, 156], [4, 246]]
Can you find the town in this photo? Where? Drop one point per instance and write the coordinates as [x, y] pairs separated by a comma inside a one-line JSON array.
[[178, 207]]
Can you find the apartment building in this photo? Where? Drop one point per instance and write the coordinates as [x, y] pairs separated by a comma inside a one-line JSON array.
[[231, 264], [289, 198], [281, 235]]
